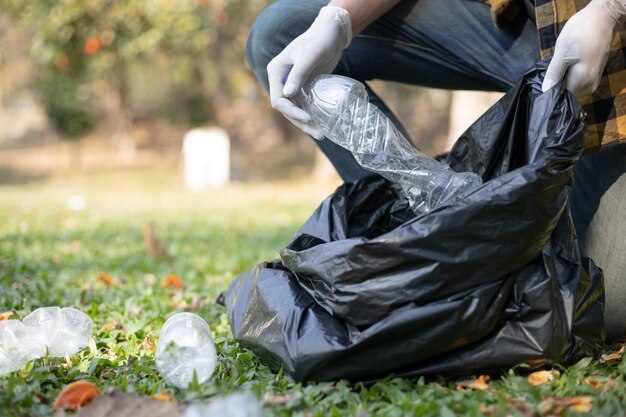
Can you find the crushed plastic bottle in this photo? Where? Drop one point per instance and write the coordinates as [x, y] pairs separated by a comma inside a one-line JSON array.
[[340, 107], [57, 331], [13, 352], [185, 346], [233, 405], [62, 330]]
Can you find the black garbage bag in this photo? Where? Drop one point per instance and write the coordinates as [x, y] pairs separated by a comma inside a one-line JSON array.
[[491, 280]]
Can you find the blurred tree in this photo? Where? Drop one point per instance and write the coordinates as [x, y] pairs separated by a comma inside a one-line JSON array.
[[77, 42]]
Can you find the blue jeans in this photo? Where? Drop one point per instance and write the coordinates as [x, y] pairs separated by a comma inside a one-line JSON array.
[[449, 44]]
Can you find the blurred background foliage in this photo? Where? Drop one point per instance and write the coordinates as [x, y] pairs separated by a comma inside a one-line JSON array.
[[197, 45], [138, 73]]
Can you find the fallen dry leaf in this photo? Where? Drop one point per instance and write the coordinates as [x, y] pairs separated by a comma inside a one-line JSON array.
[[487, 409], [179, 303], [162, 396], [593, 382], [172, 280], [6, 315], [107, 279], [543, 377], [147, 343], [481, 383], [613, 356], [120, 404], [75, 395], [112, 325], [153, 244], [276, 399], [559, 405]]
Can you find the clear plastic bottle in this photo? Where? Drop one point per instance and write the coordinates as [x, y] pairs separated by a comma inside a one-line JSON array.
[[52, 330], [340, 107], [236, 404], [185, 345]]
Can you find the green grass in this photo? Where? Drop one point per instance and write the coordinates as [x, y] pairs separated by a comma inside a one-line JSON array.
[[50, 255]]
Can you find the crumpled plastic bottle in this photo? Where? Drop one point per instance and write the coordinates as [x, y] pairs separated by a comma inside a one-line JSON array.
[[233, 405], [185, 346], [57, 331], [340, 107]]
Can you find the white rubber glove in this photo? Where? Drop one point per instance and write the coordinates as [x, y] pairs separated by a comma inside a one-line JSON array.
[[582, 48], [316, 51]]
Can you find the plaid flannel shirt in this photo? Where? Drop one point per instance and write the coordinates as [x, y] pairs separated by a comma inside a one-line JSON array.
[[606, 108]]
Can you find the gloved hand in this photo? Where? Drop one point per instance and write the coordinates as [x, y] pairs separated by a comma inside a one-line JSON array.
[[316, 51], [582, 48]]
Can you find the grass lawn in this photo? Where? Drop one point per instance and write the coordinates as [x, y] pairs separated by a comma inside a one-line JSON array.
[[51, 255]]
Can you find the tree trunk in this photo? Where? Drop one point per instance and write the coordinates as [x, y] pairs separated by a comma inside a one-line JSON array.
[[123, 117]]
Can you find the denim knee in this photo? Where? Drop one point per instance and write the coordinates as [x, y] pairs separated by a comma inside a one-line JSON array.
[[274, 29]]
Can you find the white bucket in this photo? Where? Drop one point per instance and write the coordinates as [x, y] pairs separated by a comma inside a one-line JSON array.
[[206, 153]]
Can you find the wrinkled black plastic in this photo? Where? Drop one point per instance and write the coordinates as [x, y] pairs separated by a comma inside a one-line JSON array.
[[488, 281]]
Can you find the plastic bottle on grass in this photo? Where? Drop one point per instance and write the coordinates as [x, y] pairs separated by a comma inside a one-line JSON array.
[[236, 404], [340, 107], [185, 346], [47, 330]]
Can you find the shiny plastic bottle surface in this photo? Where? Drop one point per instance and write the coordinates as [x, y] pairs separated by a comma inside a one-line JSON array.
[[185, 345], [341, 109], [53, 331]]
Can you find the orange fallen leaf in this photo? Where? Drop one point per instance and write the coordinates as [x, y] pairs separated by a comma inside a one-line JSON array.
[[6, 315], [580, 404], [543, 377], [162, 396], [75, 395], [112, 325], [559, 405], [107, 279], [172, 280], [613, 356], [147, 343], [481, 383], [593, 382]]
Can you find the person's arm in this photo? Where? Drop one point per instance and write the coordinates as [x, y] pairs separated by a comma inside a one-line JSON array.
[[318, 51], [583, 46]]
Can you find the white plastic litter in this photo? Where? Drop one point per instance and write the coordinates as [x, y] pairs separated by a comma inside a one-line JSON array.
[[340, 108], [185, 346], [233, 405], [59, 331]]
